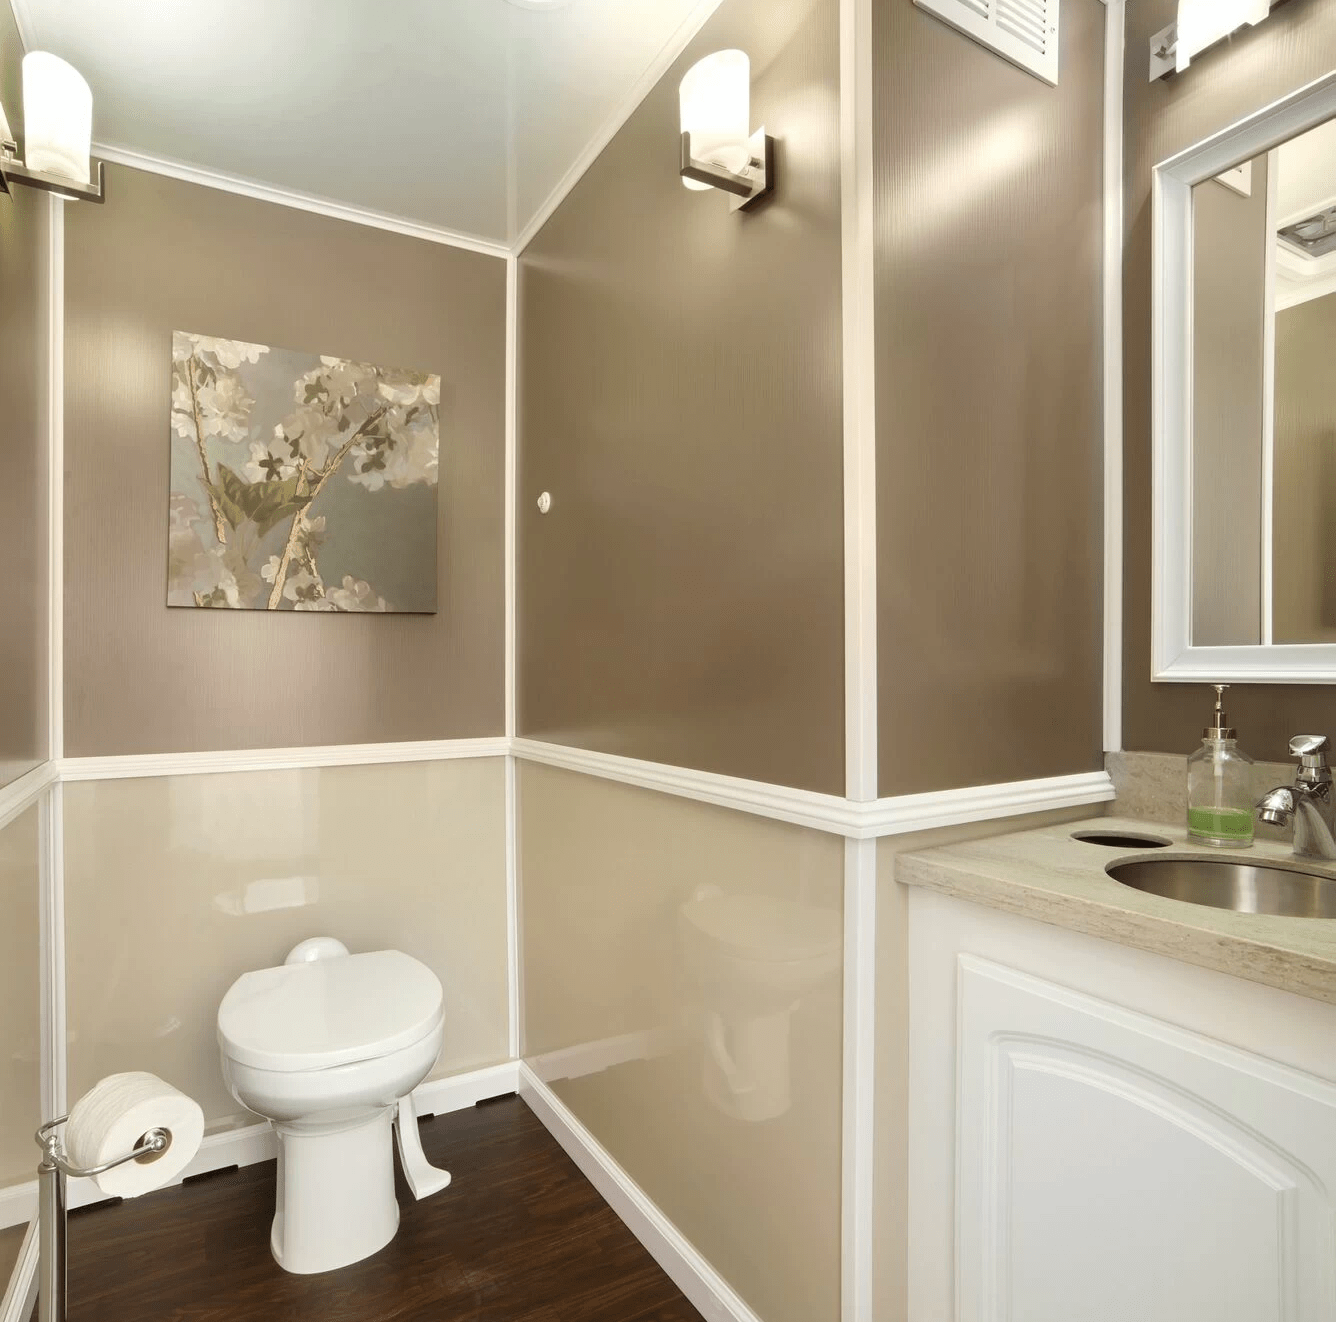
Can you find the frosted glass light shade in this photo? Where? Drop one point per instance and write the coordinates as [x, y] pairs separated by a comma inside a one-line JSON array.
[[715, 99], [57, 117], [1201, 23]]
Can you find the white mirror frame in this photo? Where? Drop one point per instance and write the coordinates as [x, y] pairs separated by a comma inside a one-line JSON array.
[[1173, 658]]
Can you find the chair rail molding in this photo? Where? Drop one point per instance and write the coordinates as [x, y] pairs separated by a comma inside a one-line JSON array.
[[898, 815]]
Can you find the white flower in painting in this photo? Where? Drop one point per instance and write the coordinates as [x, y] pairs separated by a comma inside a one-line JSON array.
[[201, 577], [356, 595], [182, 513], [404, 389], [269, 570], [225, 408], [411, 455], [310, 430], [183, 409], [303, 586], [229, 354], [340, 379], [270, 463]]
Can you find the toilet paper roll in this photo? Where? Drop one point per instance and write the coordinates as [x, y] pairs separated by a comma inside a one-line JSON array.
[[110, 1119]]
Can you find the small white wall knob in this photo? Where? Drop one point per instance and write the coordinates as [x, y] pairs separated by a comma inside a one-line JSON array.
[[544, 502]]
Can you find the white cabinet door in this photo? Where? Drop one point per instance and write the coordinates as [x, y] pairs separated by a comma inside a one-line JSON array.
[[1114, 1168]]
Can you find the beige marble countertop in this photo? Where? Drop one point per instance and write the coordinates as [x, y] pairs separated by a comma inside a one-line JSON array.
[[1048, 875]]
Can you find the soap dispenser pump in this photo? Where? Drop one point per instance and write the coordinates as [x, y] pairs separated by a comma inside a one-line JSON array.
[[1220, 790]]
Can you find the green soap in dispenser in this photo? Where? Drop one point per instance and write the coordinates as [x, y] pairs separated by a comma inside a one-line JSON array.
[[1220, 791]]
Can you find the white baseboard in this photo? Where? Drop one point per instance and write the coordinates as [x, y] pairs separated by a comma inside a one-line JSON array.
[[708, 1292], [458, 1091], [255, 1143], [594, 1057], [18, 1202], [20, 1296]]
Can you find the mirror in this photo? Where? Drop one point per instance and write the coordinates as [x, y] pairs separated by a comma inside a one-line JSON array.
[[1245, 400]]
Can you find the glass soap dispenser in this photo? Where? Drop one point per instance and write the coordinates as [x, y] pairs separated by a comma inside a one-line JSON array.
[[1220, 793]]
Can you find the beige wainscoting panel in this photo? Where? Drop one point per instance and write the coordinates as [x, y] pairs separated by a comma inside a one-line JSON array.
[[174, 886], [20, 1013], [619, 1011]]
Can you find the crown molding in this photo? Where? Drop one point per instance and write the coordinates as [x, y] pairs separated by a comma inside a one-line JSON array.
[[23, 21], [320, 206], [645, 84]]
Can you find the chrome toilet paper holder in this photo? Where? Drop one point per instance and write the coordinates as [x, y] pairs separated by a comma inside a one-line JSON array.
[[52, 1173]]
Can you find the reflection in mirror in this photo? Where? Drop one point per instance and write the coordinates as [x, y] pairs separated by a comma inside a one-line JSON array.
[[1264, 398]]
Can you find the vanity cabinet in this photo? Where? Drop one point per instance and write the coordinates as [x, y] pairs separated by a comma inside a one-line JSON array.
[[1102, 1133]]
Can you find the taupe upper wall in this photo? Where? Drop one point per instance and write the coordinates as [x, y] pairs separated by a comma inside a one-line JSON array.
[[22, 453], [162, 255], [989, 404], [1257, 66], [681, 400]]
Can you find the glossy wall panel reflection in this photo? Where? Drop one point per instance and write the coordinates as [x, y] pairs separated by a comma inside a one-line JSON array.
[[20, 1014], [682, 984], [176, 885]]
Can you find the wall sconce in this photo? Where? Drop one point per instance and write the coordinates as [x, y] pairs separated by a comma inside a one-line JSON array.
[[719, 149], [1201, 23], [58, 132]]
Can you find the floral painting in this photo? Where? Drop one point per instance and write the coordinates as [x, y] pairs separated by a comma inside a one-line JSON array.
[[300, 482]]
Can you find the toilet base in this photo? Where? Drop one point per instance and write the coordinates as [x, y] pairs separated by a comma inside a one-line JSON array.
[[336, 1202]]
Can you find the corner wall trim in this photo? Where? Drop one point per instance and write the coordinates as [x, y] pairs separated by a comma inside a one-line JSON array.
[[899, 815], [139, 765], [858, 1138], [687, 1268], [284, 197], [1114, 54], [858, 284], [21, 794]]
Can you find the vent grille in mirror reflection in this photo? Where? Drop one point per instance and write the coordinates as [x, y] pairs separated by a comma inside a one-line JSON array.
[[1314, 236]]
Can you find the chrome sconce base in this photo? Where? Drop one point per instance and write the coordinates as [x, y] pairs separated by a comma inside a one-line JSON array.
[[13, 171], [747, 187]]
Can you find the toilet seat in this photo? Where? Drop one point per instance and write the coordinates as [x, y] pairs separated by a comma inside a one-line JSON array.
[[341, 1011]]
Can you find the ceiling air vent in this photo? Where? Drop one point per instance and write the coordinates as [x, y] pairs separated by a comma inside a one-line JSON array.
[[1022, 31]]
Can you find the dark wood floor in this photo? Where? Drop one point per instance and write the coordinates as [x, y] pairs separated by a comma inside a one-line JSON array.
[[519, 1236]]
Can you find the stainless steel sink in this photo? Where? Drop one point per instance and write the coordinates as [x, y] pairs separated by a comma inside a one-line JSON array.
[[1272, 888]]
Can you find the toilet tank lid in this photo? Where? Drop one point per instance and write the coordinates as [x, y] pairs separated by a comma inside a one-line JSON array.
[[329, 1012]]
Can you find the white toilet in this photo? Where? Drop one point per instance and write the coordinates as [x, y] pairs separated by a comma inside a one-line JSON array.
[[753, 958], [328, 1047]]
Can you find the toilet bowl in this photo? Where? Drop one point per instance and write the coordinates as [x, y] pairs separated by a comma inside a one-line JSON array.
[[326, 1050], [753, 958]]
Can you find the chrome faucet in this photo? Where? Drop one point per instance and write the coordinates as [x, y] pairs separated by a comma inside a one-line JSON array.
[[1308, 801]]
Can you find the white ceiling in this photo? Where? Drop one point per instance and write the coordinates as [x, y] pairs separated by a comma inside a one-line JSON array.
[[459, 114]]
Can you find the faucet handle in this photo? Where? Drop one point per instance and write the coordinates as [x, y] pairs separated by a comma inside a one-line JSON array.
[[1311, 748]]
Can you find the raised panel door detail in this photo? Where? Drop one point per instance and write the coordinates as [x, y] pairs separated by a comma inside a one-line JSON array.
[[1115, 1168]]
